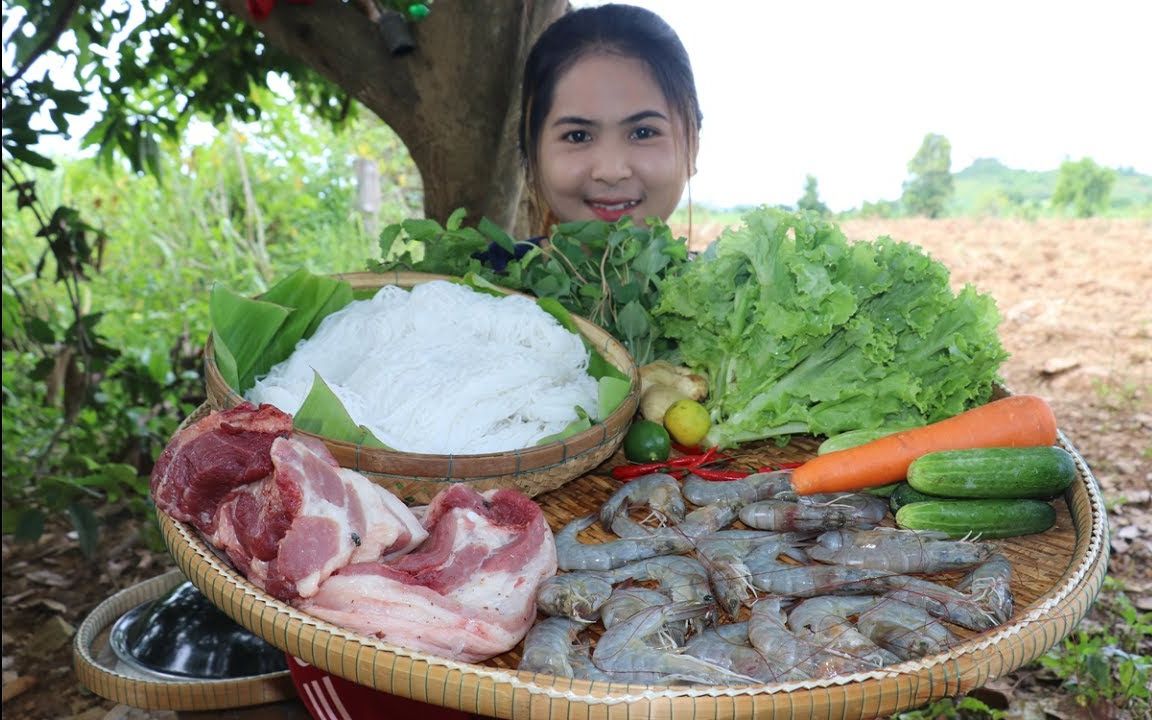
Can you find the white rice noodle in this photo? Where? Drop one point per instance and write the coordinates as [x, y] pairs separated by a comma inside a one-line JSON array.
[[442, 369]]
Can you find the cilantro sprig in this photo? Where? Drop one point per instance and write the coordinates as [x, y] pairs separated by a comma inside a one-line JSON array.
[[609, 273]]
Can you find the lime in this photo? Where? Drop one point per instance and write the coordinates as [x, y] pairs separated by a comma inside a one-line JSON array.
[[647, 441], [687, 421]]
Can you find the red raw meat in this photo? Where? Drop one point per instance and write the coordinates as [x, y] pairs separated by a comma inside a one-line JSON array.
[[212, 457], [310, 518], [468, 593]]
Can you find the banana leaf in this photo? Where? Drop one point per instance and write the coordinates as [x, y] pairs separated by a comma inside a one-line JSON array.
[[323, 414]]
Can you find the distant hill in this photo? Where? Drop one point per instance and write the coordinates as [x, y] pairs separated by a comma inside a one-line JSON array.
[[988, 187]]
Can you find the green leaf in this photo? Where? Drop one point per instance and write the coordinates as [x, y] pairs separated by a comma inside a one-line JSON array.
[[311, 298], [39, 330], [611, 392], [246, 328], [87, 528], [387, 239], [579, 425], [599, 367], [481, 284], [456, 219], [553, 307], [225, 361], [634, 321], [422, 229], [30, 157], [496, 234], [28, 525], [323, 414]]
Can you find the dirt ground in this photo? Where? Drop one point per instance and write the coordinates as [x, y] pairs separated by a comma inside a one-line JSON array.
[[1076, 300]]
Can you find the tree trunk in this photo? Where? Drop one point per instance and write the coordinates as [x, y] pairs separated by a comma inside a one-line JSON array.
[[454, 100]]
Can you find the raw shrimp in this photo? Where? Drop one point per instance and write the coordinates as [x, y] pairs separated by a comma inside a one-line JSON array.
[[904, 630], [727, 646], [870, 510], [790, 516], [571, 554], [624, 602], [723, 554], [626, 648], [989, 586], [660, 492], [772, 576], [828, 620], [682, 578], [551, 647], [627, 601], [701, 521], [758, 486], [794, 656], [900, 551], [940, 601], [575, 595], [710, 518]]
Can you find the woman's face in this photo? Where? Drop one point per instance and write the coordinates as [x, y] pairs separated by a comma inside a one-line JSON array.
[[611, 145]]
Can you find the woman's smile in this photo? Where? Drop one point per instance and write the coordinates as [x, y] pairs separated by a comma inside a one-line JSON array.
[[612, 210]]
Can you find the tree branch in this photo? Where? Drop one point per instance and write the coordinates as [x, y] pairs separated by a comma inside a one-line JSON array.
[[53, 35]]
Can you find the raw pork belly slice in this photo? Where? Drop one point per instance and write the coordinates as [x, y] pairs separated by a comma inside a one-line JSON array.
[[468, 593], [309, 519], [212, 457]]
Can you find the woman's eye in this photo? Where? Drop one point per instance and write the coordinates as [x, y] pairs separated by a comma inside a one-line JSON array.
[[645, 133], [577, 136]]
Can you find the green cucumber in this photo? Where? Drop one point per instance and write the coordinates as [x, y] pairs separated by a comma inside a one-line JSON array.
[[981, 519], [853, 438], [883, 490], [905, 494], [1040, 473]]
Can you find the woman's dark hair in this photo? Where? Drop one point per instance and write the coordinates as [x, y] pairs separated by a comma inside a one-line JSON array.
[[624, 30]]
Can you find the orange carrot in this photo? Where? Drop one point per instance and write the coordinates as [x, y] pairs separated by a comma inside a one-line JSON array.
[[1014, 421]]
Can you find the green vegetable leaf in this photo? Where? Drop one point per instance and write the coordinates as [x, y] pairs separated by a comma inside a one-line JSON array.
[[611, 392], [579, 425], [799, 330], [323, 414], [311, 299], [87, 528], [225, 361], [245, 327]]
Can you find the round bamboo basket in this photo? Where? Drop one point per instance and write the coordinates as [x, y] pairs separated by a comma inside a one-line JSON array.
[[418, 477], [1057, 575], [99, 670]]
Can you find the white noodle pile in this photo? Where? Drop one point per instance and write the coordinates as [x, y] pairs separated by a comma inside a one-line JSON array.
[[442, 369]]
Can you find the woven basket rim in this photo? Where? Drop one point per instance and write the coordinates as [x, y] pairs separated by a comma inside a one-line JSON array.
[[605, 344], [167, 694], [1067, 600]]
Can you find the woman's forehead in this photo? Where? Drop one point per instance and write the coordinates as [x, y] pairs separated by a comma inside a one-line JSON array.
[[607, 87]]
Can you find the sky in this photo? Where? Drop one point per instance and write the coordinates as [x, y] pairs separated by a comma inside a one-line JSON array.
[[846, 91]]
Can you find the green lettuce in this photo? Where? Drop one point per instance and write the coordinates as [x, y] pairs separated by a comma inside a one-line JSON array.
[[801, 331]]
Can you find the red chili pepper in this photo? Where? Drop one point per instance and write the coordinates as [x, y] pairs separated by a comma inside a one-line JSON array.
[[720, 475], [631, 472], [684, 462]]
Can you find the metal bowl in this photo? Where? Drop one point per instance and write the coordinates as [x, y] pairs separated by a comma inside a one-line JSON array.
[[182, 635]]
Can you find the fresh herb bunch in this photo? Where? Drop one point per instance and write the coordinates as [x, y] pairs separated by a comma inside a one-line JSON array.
[[609, 273]]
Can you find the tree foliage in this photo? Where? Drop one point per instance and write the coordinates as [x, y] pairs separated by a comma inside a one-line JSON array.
[[929, 187], [1085, 186], [811, 201]]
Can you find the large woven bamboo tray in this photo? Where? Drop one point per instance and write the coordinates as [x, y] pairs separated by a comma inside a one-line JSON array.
[[418, 477], [1056, 577]]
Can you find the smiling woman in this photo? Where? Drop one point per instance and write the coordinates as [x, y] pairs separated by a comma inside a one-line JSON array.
[[610, 119]]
